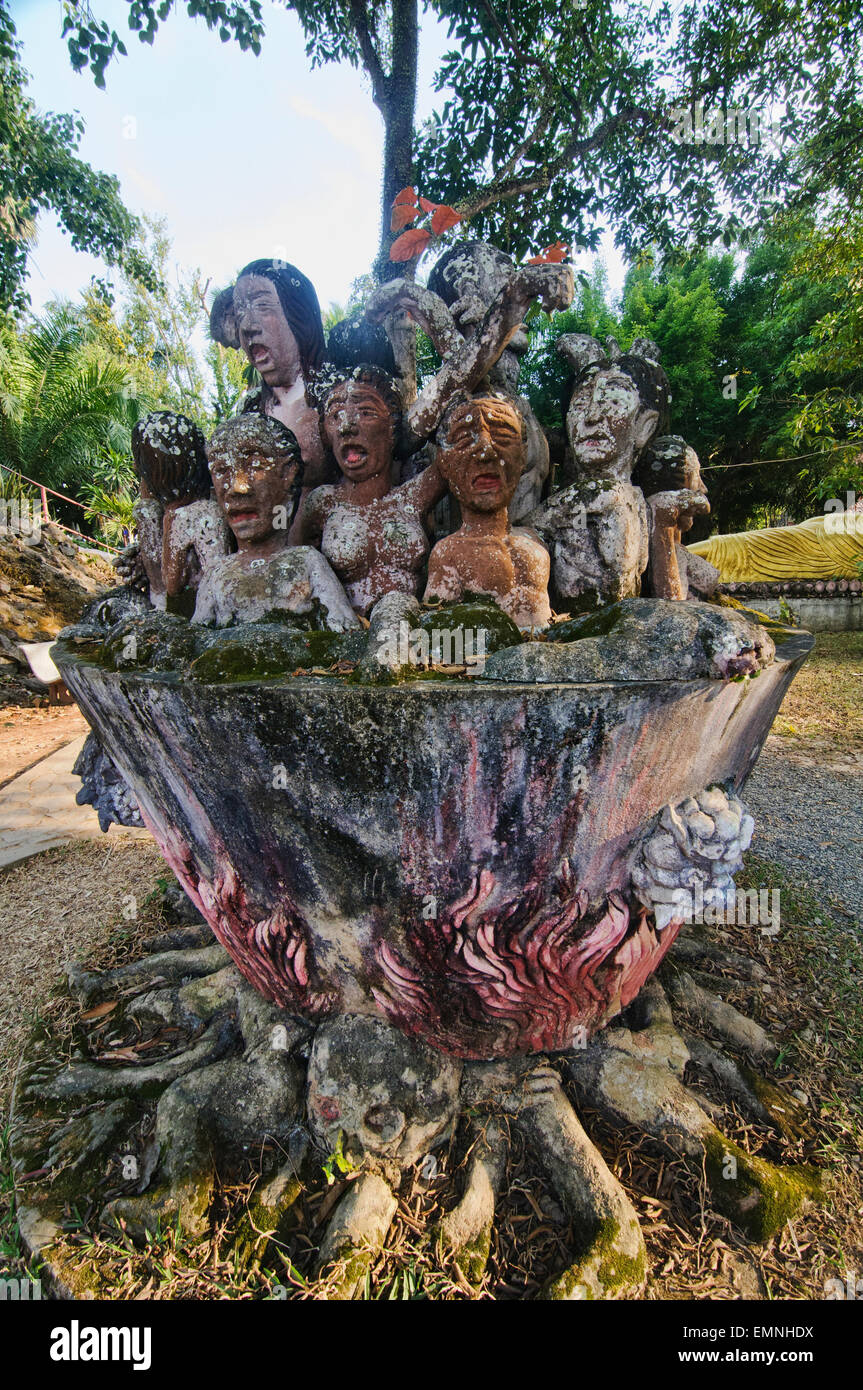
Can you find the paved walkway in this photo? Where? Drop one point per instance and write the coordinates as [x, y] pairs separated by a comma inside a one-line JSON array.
[[38, 809], [809, 818]]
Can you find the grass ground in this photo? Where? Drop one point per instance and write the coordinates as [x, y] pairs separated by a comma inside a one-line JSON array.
[[826, 700]]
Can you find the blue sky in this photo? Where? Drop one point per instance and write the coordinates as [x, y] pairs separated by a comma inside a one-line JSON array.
[[242, 156]]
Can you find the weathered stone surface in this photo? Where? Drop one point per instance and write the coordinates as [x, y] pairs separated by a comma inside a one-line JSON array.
[[641, 640], [690, 855], [387, 1094], [104, 788], [357, 1232], [453, 855]]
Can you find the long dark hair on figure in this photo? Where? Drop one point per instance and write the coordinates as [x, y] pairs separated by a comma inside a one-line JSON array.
[[300, 306], [170, 455]]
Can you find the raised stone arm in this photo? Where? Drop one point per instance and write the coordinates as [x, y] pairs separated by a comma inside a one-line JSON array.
[[468, 361], [667, 510], [424, 306]]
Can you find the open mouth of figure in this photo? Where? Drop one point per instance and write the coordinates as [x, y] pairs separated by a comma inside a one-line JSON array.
[[487, 482], [595, 441], [242, 515], [353, 455], [258, 353]]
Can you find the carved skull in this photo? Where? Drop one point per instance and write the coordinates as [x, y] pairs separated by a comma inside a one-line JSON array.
[[389, 1095]]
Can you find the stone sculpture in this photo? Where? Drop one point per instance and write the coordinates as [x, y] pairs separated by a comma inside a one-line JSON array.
[[468, 278], [596, 528], [278, 323], [471, 351], [670, 477], [257, 473], [423, 879], [373, 534], [482, 460]]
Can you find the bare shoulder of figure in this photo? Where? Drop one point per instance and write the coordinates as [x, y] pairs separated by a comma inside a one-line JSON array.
[[443, 579], [423, 491], [320, 503], [526, 535]]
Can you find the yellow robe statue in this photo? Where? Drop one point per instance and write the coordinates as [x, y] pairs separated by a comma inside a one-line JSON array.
[[824, 547]]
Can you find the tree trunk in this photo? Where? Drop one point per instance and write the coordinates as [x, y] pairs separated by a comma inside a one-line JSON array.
[[398, 115]]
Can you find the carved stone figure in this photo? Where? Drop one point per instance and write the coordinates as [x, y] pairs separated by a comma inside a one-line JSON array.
[[257, 473], [181, 531], [278, 322], [468, 278], [490, 298], [223, 320], [670, 477], [596, 527], [372, 533], [482, 460]]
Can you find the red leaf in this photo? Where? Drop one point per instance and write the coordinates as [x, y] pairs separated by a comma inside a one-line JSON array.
[[427, 205], [410, 244], [554, 254], [402, 214], [443, 218], [407, 195]]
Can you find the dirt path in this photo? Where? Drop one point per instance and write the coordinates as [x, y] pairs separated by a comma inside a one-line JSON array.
[[28, 735], [808, 809]]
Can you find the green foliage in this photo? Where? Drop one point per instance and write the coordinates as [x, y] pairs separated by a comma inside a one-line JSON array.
[[765, 360], [555, 117], [110, 495], [61, 405], [40, 171]]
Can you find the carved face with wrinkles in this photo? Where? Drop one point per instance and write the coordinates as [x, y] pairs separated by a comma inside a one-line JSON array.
[[483, 457], [607, 421], [253, 474]]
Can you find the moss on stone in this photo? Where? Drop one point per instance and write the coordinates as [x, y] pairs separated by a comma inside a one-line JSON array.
[[598, 623], [605, 1270], [473, 1257], [474, 613], [760, 1198]]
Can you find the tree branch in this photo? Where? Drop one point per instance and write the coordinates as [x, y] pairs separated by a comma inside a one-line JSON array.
[[578, 146], [371, 59]]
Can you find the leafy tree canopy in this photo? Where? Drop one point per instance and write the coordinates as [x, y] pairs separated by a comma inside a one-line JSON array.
[[39, 171], [558, 116]]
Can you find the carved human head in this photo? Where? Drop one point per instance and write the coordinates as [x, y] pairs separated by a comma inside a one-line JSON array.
[[384, 1093], [223, 319], [257, 473], [618, 403], [278, 321], [170, 457], [669, 464], [361, 419], [467, 278], [483, 452]]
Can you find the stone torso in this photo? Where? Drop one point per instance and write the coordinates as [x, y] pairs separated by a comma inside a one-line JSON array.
[[295, 580], [598, 535], [512, 569], [374, 549]]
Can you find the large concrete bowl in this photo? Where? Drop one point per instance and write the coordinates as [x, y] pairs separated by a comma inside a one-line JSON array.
[[453, 855]]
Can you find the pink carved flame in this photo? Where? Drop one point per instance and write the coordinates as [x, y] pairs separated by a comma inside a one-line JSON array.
[[272, 952], [488, 981], [492, 979]]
